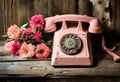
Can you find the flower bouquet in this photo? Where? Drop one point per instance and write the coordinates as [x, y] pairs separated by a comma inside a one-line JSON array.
[[29, 40]]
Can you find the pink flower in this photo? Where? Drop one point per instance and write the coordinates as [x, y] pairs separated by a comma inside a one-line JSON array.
[[42, 51], [27, 36], [13, 32], [26, 50], [8, 46], [28, 30], [15, 48], [38, 36], [37, 21]]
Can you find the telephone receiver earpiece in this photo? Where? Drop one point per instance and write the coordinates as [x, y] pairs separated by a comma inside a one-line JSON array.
[[95, 26], [50, 26]]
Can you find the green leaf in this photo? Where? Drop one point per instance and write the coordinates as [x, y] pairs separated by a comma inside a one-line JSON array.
[[25, 25], [4, 36], [49, 43]]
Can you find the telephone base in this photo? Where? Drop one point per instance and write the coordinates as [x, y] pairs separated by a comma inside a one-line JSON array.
[[81, 61], [83, 58]]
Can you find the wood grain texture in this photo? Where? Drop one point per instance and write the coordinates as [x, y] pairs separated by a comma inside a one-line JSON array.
[[2, 18], [44, 69], [43, 7], [85, 7], [20, 11], [53, 7], [115, 15], [64, 7]]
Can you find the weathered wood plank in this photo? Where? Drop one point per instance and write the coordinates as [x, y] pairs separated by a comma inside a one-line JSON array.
[[1, 17], [23, 11], [64, 7], [85, 7], [44, 7], [7, 13], [53, 7], [44, 69], [115, 8]]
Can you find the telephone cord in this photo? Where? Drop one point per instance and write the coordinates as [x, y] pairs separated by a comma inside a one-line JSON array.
[[116, 57]]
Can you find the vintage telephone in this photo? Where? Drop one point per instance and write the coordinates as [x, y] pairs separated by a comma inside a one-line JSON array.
[[72, 46]]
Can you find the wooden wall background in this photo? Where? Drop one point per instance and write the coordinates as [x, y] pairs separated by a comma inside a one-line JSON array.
[[20, 11]]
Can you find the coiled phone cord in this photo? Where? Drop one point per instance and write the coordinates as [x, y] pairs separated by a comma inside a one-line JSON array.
[[116, 57]]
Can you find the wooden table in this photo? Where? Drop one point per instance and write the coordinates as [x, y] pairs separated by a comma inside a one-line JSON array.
[[14, 67]]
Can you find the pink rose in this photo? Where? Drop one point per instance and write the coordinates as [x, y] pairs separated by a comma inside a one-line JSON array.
[[8, 46], [42, 51], [26, 50], [13, 32]]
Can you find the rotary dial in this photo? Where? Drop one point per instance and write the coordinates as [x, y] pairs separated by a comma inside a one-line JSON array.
[[70, 44]]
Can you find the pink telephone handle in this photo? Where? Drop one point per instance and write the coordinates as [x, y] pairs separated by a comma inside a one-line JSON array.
[[93, 28]]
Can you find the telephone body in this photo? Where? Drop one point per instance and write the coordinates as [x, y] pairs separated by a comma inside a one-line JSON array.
[[72, 46]]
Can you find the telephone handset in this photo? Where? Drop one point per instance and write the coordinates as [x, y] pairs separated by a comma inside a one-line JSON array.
[[72, 46], [94, 23]]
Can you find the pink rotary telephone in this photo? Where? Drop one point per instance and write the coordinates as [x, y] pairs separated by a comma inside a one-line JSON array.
[[72, 46]]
